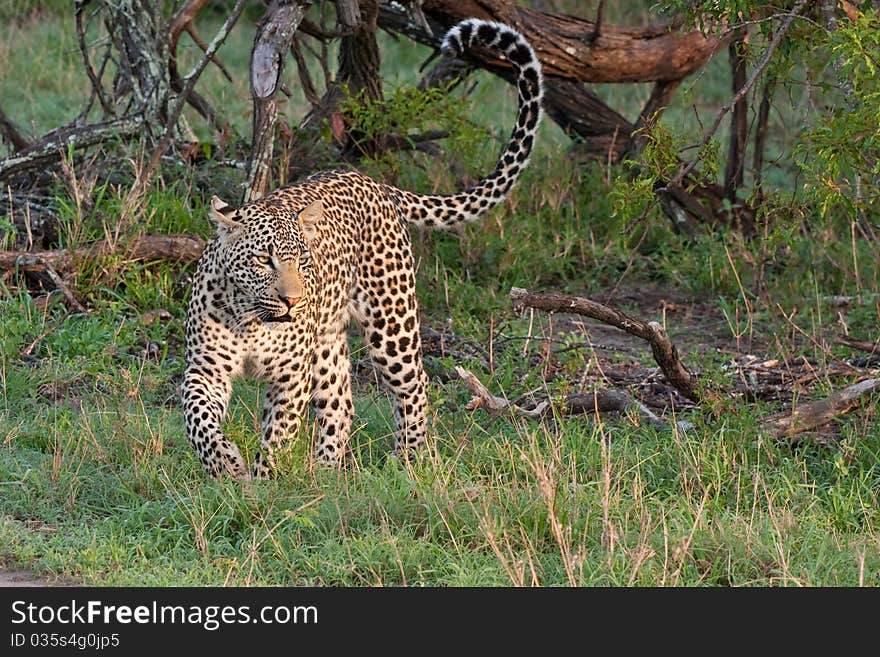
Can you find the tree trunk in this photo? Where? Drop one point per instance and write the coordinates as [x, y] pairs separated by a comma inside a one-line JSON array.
[[736, 157], [138, 31], [359, 65], [271, 46]]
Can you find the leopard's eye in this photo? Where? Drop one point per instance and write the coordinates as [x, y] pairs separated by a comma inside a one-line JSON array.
[[263, 259], [305, 259]]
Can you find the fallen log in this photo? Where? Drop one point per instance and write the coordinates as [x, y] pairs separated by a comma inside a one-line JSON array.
[[178, 247], [574, 51], [861, 345], [55, 145], [814, 414]]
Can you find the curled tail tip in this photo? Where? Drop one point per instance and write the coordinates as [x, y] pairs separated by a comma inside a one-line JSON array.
[[454, 42], [446, 211], [498, 36]]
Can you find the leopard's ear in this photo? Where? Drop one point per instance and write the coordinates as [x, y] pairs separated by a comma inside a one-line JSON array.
[[308, 219], [222, 213]]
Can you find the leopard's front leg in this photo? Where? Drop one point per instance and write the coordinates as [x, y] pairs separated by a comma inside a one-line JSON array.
[[205, 396], [285, 405]]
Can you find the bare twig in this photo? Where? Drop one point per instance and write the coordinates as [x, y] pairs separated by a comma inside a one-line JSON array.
[[97, 87], [305, 78], [29, 349], [861, 345], [191, 30], [182, 20]]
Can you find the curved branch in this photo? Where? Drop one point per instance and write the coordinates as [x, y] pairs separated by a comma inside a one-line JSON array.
[[664, 351], [567, 45]]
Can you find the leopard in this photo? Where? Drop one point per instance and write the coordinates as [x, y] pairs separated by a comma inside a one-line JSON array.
[[285, 275]]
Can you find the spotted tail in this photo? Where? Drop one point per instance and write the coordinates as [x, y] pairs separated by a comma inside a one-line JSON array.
[[446, 211]]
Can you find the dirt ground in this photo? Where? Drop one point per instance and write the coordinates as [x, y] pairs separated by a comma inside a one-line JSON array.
[[18, 577]]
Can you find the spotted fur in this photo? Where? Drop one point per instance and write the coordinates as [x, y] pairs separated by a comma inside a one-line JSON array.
[[278, 285]]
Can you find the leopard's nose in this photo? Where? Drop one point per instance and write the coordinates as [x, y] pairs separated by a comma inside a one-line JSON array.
[[292, 301]]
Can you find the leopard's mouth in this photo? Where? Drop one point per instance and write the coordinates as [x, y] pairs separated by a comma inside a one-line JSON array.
[[287, 317]]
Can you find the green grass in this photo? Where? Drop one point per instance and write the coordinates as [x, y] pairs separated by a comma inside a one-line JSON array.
[[99, 483], [102, 486]]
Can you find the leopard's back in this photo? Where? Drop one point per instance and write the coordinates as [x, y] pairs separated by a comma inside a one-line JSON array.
[[362, 242]]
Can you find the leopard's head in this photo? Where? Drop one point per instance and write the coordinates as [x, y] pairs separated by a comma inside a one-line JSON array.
[[266, 254]]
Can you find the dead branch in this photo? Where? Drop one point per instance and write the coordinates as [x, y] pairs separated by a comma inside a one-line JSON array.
[[567, 45], [495, 406], [664, 351], [183, 20], [188, 83], [11, 134], [861, 345], [600, 130], [595, 403], [26, 262], [816, 413], [572, 52], [94, 78], [179, 247], [302, 68], [56, 144]]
